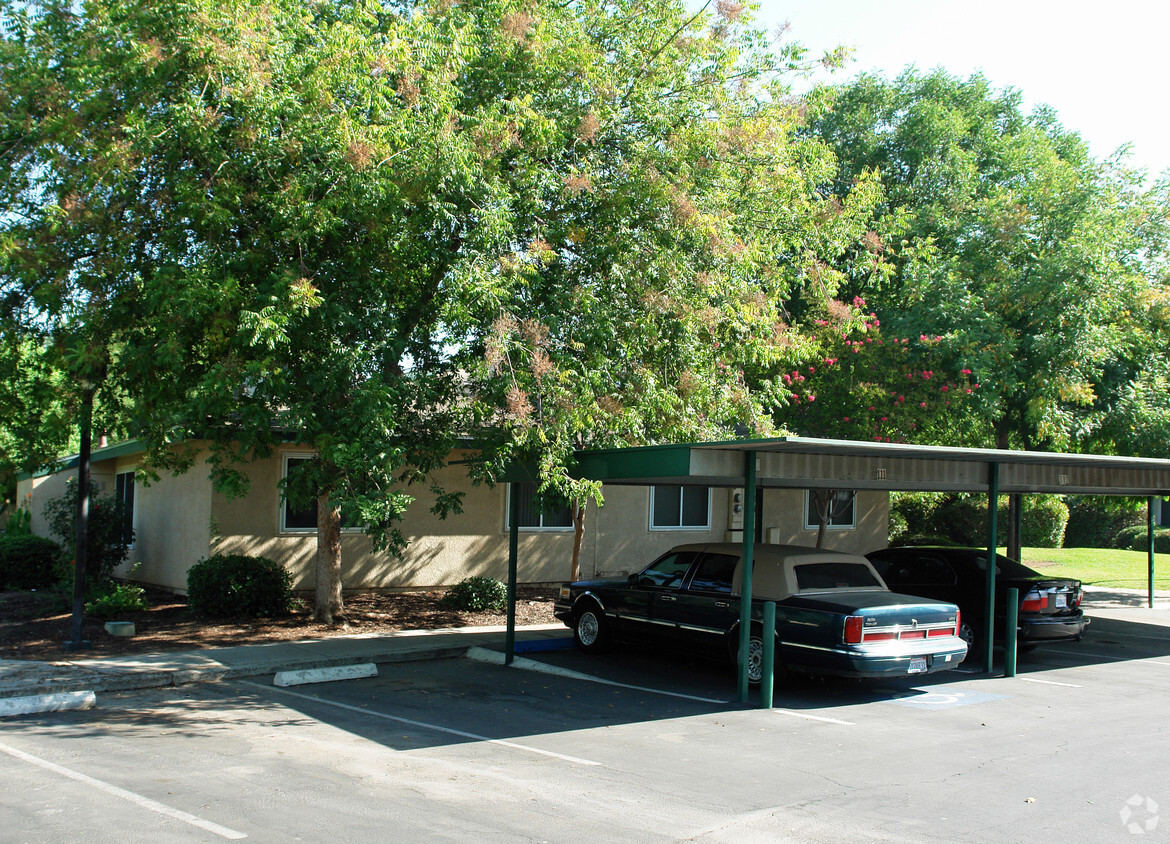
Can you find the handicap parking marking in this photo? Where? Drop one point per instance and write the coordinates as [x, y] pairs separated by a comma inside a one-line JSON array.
[[920, 699]]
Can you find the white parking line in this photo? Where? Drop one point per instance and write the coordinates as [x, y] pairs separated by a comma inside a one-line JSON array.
[[814, 717], [497, 658], [421, 724], [1048, 682], [114, 791]]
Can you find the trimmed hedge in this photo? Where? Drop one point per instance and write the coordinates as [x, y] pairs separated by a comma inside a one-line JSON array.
[[1043, 521], [239, 586], [1137, 538], [1097, 522], [29, 562], [953, 519]]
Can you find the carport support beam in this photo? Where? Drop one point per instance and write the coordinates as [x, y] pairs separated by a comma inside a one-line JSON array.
[[992, 545], [1151, 503], [745, 588], [1013, 621], [513, 553]]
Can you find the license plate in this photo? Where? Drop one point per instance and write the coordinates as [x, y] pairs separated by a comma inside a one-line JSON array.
[[917, 665], [1061, 600]]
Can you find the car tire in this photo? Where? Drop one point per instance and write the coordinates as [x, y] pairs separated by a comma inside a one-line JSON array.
[[755, 661], [970, 634], [590, 629]]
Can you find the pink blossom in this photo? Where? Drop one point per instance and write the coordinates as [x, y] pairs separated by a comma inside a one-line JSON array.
[[885, 419], [812, 397], [923, 404], [945, 388], [846, 419], [812, 370], [858, 302]]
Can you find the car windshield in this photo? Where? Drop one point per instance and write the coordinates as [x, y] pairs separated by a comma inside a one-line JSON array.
[[835, 576]]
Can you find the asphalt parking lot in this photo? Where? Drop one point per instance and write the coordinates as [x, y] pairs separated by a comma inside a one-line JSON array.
[[461, 749]]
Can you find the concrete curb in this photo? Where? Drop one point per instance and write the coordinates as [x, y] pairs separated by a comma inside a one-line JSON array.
[[31, 705]]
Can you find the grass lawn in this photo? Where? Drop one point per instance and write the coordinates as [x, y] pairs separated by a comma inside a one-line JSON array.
[[1100, 566]]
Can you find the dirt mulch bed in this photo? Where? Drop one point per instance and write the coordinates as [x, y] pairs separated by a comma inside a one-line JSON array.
[[34, 627]]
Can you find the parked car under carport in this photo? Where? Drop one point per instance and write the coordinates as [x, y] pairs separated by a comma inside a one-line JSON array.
[[1049, 607]]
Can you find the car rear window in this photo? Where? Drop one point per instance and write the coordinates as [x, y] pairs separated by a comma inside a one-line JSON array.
[[835, 576]]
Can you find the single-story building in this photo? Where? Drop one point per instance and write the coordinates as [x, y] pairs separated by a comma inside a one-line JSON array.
[[181, 520]]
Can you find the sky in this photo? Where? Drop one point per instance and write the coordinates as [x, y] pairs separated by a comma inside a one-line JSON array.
[[1101, 66]]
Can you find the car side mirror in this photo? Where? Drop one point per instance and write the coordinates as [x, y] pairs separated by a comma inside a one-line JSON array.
[[633, 579]]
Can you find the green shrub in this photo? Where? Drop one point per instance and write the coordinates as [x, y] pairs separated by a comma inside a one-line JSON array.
[[1043, 521], [29, 562], [1096, 521], [238, 586], [109, 536], [477, 594], [19, 523], [120, 598], [1136, 538]]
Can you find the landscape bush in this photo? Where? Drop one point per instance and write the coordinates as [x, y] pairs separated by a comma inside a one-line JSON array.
[[1097, 521], [29, 562], [1043, 521], [239, 586], [1136, 538], [477, 594], [116, 599], [109, 536]]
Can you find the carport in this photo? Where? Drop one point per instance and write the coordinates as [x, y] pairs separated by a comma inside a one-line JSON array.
[[810, 463]]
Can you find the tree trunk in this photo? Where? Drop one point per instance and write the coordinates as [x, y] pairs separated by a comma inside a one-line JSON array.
[[1015, 514], [329, 608], [578, 540]]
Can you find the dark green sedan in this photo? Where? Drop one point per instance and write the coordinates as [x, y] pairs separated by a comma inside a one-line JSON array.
[[834, 615]]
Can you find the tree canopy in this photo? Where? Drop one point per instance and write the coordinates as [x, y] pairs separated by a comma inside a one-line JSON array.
[[1038, 267], [373, 228]]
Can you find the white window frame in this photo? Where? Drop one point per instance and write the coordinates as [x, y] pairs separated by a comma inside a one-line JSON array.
[[680, 526], [809, 512], [529, 528], [282, 504]]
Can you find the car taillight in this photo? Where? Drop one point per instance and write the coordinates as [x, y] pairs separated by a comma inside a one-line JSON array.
[[940, 631], [1076, 601], [853, 625], [1034, 602], [884, 636], [958, 621]]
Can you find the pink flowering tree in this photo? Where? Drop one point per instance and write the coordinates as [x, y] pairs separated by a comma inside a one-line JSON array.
[[865, 385]]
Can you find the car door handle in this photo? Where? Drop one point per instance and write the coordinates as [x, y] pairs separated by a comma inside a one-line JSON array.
[[669, 598], [722, 605]]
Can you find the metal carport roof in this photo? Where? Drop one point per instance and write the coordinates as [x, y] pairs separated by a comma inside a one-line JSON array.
[[811, 463]]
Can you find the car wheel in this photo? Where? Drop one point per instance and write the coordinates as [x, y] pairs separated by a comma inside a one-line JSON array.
[[589, 629], [755, 661], [971, 636]]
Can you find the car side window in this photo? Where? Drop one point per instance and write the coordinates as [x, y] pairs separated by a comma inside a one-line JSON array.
[[923, 570], [714, 573], [669, 571]]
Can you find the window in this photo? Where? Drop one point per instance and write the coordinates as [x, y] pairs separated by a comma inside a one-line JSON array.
[[536, 514], [675, 507], [834, 576], [837, 504], [124, 495], [669, 571], [714, 573], [304, 520]]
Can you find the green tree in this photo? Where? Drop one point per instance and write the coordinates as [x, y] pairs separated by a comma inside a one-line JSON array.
[[1031, 260], [250, 222]]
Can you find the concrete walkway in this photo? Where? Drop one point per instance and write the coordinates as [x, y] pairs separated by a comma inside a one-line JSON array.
[[21, 678]]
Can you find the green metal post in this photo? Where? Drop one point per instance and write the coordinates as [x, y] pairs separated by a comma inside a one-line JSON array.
[[745, 588], [992, 545], [1150, 505], [513, 554], [1013, 621], [767, 682]]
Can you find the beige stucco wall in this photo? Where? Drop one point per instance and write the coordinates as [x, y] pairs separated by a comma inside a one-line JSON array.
[[180, 520]]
